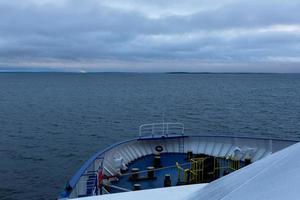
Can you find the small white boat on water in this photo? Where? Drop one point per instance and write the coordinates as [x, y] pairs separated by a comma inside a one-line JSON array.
[[165, 163]]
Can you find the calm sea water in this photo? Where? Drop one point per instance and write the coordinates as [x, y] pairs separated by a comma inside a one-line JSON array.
[[50, 123]]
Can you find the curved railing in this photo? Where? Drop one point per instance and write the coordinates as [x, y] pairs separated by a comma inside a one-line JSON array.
[[100, 155], [75, 179]]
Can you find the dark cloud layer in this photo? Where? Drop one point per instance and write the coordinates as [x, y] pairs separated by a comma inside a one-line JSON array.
[[148, 35]]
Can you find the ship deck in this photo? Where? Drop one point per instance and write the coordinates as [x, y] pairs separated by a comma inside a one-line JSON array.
[[219, 155], [168, 166]]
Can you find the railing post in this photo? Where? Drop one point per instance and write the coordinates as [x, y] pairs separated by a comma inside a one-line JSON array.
[[163, 129], [140, 130], [152, 130], [271, 145], [167, 129]]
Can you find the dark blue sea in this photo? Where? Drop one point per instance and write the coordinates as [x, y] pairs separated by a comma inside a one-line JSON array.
[[50, 123]]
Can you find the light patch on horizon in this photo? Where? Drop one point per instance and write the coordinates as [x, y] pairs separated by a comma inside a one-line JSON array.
[[158, 9], [132, 35]]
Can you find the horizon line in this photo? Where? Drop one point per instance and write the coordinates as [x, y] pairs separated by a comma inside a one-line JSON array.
[[137, 72]]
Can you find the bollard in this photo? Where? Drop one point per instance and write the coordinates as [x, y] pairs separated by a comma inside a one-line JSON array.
[[135, 173], [167, 181], [189, 155], [157, 162], [150, 172], [136, 187]]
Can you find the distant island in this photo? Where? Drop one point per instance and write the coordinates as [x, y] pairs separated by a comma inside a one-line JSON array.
[[219, 73]]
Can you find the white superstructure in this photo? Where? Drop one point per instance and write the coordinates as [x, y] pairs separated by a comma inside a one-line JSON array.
[[275, 177], [274, 168]]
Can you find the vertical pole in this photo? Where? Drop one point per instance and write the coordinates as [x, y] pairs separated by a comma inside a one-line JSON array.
[[163, 123], [202, 164], [152, 130], [178, 174], [167, 129], [140, 129], [271, 145]]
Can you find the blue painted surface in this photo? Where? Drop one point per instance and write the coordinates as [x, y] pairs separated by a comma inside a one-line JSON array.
[[74, 180], [167, 159], [84, 167]]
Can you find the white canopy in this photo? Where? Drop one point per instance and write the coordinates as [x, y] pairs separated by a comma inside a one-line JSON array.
[[276, 177]]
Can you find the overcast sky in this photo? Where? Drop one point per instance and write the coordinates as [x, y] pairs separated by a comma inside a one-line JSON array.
[[151, 35]]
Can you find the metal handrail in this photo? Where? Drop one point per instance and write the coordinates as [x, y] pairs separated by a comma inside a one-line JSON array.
[[100, 155], [163, 129], [117, 187]]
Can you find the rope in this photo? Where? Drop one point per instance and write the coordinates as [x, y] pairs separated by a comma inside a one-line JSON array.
[[117, 187], [157, 169]]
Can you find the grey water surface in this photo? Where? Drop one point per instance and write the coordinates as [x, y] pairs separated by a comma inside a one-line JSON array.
[[50, 123]]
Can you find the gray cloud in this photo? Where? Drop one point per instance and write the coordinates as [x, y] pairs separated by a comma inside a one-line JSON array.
[[150, 35]]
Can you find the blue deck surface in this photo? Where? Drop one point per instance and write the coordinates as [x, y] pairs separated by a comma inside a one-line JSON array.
[[167, 159], [168, 166]]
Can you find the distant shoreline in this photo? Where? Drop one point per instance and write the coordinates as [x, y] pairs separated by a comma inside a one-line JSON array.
[[171, 73], [225, 73]]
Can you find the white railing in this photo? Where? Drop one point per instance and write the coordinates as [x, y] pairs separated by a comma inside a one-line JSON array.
[[161, 129], [81, 186]]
